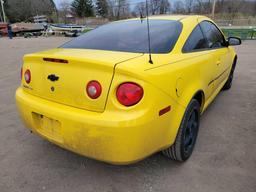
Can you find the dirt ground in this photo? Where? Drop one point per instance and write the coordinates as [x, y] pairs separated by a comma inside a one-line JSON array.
[[224, 158]]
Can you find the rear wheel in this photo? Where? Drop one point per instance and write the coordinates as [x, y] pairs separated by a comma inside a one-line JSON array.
[[185, 141], [228, 84]]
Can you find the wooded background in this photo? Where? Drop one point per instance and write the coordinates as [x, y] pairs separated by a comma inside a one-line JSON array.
[[24, 10]]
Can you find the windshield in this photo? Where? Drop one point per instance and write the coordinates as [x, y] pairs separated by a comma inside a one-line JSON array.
[[130, 36]]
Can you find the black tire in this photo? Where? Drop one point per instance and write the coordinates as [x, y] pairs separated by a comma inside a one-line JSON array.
[[185, 141], [228, 84]]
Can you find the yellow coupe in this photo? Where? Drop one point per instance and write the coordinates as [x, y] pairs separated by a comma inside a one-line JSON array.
[[102, 96]]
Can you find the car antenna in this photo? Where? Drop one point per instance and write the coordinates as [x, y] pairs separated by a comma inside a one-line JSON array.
[[149, 42]]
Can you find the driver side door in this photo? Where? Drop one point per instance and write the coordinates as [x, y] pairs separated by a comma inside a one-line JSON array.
[[220, 52]]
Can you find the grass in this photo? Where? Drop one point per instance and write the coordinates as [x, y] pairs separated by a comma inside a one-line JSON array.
[[86, 30]]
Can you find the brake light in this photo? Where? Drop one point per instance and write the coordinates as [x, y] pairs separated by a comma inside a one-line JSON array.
[[129, 94], [93, 89], [55, 60], [27, 76]]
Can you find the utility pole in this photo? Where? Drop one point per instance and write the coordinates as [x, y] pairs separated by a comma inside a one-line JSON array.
[[213, 8], [2, 5]]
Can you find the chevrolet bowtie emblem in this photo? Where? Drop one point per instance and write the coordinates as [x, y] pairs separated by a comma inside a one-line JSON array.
[[53, 77]]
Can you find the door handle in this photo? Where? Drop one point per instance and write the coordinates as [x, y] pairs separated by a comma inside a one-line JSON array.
[[218, 62]]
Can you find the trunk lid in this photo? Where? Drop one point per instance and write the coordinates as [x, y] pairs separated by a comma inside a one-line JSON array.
[[82, 67]]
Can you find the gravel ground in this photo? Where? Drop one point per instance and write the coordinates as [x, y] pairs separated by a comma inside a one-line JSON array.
[[224, 158]]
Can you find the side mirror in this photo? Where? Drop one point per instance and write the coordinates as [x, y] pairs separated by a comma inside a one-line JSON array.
[[233, 41]]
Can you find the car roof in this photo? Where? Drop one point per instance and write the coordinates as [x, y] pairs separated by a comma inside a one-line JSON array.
[[175, 17]]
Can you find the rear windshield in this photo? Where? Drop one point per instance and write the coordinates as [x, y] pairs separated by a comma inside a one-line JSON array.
[[130, 36]]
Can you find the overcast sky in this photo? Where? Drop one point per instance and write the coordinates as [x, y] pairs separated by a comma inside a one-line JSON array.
[[57, 2], [130, 1]]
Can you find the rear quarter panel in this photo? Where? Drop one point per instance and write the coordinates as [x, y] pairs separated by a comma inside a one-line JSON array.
[[163, 128]]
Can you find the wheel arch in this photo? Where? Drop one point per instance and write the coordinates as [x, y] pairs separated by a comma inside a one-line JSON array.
[[200, 97], [235, 60]]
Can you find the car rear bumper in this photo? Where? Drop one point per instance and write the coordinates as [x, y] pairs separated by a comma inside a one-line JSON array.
[[108, 136]]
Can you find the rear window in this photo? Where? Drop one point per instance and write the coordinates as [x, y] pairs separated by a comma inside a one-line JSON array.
[[130, 36]]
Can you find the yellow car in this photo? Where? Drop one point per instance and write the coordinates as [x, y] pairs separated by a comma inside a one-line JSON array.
[[101, 95]]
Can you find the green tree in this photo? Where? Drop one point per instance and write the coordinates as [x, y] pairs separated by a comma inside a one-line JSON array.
[[102, 7], [24, 10], [82, 8]]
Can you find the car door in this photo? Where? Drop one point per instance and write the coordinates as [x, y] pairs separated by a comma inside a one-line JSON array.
[[220, 52], [196, 46]]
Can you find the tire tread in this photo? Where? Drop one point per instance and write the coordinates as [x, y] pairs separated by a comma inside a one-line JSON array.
[[174, 151]]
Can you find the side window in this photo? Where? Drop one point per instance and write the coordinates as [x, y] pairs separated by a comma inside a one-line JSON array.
[[196, 41], [213, 35]]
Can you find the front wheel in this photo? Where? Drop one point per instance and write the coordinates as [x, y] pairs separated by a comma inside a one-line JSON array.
[[185, 141]]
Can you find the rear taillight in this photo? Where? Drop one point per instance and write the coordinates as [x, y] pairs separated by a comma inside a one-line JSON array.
[[129, 94], [27, 76], [93, 89]]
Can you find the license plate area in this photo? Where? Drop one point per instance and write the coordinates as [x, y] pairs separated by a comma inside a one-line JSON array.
[[48, 127]]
